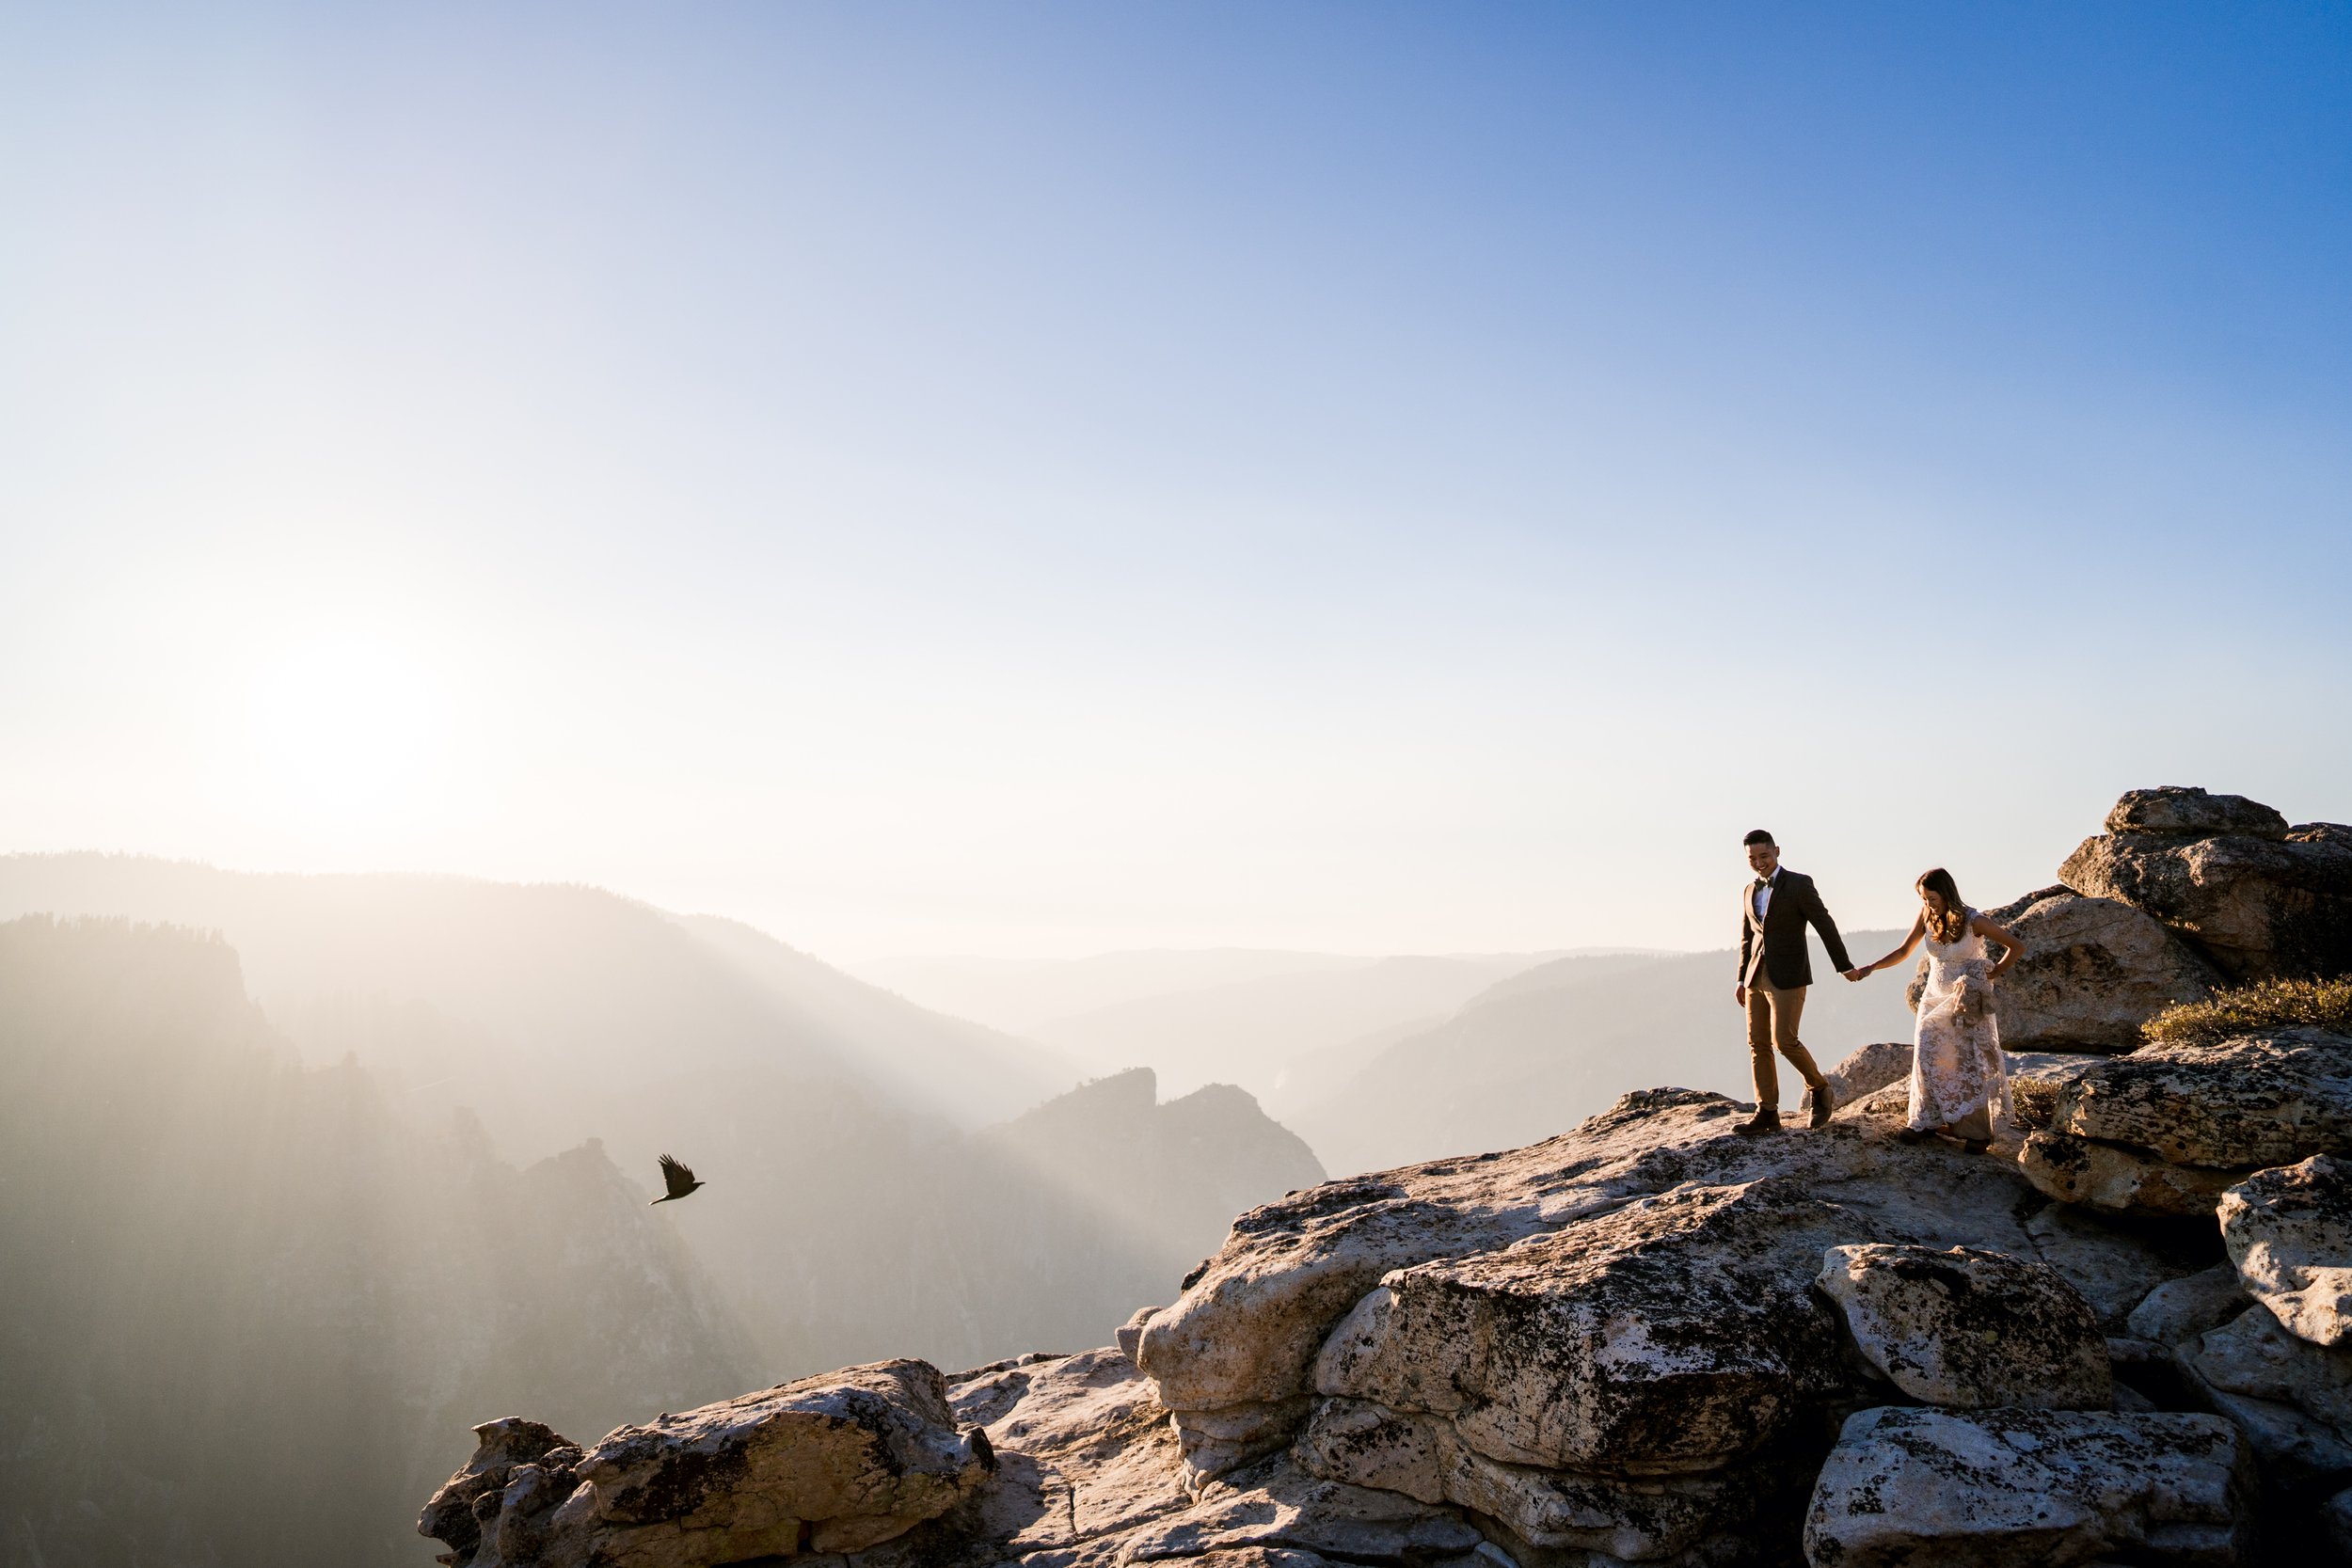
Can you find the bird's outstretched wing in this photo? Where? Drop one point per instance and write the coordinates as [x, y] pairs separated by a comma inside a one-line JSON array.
[[677, 1178]]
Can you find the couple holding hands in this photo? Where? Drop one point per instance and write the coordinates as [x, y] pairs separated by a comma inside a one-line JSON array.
[[1959, 1084]]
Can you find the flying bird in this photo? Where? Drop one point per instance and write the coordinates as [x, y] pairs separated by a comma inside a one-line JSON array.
[[677, 1178]]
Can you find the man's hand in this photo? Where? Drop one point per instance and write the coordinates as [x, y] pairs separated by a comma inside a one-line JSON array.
[[1856, 973], [1739, 995]]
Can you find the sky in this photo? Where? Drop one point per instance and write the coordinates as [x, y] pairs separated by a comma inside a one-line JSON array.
[[1035, 479]]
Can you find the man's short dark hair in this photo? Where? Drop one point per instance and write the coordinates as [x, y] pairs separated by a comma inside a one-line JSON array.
[[1759, 836]]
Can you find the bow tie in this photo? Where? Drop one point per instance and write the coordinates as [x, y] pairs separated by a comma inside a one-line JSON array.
[[1761, 882]]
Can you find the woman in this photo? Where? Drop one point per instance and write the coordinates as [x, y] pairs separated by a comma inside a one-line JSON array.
[[1959, 1084]]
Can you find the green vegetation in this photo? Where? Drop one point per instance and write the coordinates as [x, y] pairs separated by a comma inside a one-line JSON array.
[[2252, 1008]]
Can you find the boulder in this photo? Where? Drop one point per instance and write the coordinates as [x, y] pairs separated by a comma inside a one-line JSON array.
[[834, 1463], [2094, 971], [1971, 1329], [1232, 1357], [1543, 1512], [1864, 1071], [2180, 1309], [500, 1447], [2252, 1354], [2289, 1232], [2113, 1261], [2258, 904], [1906, 1486], [2178, 812], [1676, 1334], [2119, 1178], [2258, 1100]]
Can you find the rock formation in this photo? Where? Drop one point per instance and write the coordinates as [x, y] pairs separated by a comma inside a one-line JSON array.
[[1649, 1340], [2289, 1232], [2260, 898], [2094, 971]]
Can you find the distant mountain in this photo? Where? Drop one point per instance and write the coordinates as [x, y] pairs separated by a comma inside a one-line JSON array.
[[1245, 1030], [542, 1006], [1546, 1048], [1018, 994], [855, 1207], [238, 1293], [1236, 1016]]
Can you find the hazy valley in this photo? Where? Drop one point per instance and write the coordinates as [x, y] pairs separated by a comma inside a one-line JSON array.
[[396, 1136]]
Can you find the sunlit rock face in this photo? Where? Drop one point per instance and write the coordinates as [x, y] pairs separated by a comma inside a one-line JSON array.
[[2256, 896], [2094, 971], [2168, 1128]]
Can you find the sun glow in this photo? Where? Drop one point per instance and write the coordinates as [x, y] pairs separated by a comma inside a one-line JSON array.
[[348, 736]]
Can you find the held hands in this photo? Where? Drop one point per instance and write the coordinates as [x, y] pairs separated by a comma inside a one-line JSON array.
[[1856, 973]]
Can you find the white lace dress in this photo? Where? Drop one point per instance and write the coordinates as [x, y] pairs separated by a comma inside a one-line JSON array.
[[1959, 1080]]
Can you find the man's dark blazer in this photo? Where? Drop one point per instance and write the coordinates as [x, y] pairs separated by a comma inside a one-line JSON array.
[[1794, 906]]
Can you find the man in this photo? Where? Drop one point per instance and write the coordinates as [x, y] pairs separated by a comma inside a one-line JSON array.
[[1774, 969]]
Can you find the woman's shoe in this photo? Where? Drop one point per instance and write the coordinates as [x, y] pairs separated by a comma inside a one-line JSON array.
[[1975, 1145], [1915, 1134]]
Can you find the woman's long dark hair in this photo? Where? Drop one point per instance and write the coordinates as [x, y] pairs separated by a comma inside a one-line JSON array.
[[1955, 918]]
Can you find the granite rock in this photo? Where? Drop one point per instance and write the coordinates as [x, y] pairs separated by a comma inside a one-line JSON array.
[[2289, 1230], [1969, 1329], [2002, 1487], [2257, 906]]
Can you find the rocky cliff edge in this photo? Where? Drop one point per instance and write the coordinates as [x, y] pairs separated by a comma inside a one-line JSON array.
[[2126, 1337]]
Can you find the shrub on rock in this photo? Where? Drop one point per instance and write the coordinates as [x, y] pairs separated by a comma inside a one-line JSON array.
[[2258, 1008]]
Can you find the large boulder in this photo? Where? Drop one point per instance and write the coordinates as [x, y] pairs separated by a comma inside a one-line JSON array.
[[2259, 900], [1676, 1334], [2002, 1487], [1865, 1071], [2291, 1398], [1971, 1329], [2180, 1309], [2094, 971], [1741, 1512], [1232, 1356], [2175, 811], [833, 1463], [2246, 1103], [2289, 1232], [2118, 1179], [501, 1449]]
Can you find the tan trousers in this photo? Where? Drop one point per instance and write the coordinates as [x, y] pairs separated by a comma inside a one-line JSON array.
[[1773, 1016]]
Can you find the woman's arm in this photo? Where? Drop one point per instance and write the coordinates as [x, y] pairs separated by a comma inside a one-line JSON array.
[[2011, 949], [1918, 929]]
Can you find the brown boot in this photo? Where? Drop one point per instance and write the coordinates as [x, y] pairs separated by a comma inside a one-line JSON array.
[[1823, 1104], [1765, 1121]]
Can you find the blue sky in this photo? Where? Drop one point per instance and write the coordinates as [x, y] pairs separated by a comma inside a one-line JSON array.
[[1051, 478]]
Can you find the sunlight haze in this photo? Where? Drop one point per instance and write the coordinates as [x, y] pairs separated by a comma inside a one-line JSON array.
[[1061, 480]]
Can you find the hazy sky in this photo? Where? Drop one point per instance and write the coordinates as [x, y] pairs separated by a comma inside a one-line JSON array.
[[1033, 479]]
